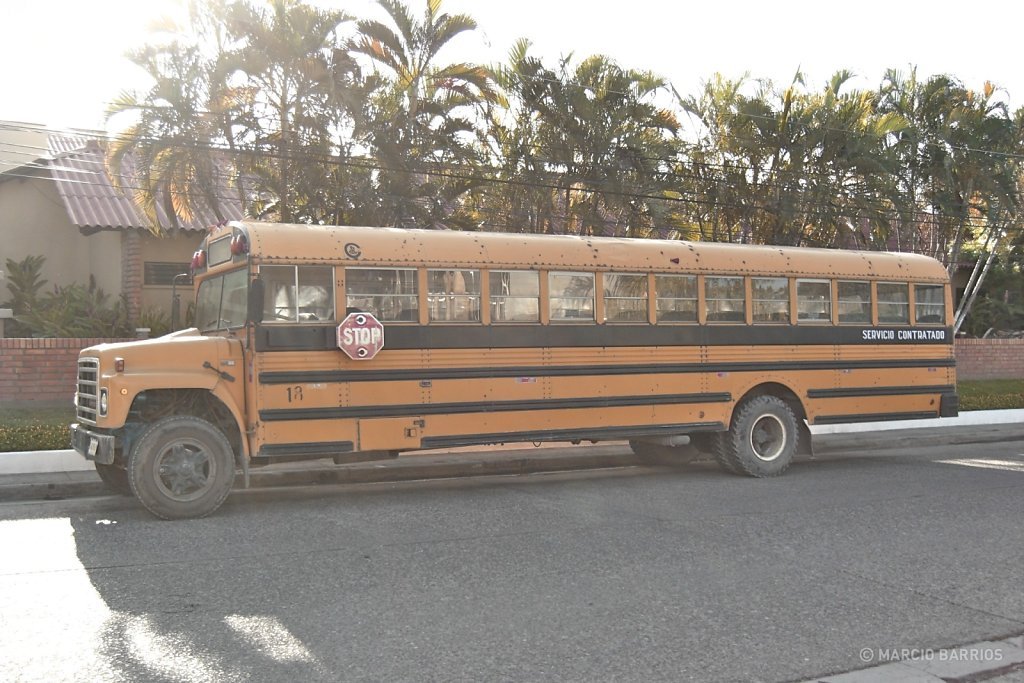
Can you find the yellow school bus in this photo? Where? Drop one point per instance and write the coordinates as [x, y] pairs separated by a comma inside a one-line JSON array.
[[357, 343]]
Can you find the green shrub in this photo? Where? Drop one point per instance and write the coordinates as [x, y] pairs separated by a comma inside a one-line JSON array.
[[35, 426], [24, 281], [34, 436], [67, 311], [158, 322]]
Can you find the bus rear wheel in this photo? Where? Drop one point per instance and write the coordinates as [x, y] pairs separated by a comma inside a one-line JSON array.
[[761, 440], [182, 467]]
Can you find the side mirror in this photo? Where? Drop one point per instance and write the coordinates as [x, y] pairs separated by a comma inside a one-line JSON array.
[[254, 311], [175, 312], [176, 300]]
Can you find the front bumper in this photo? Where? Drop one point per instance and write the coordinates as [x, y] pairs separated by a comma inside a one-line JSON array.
[[93, 445]]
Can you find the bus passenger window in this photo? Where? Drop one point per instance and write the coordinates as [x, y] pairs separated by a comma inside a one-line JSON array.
[[515, 296], [814, 301], [298, 293], [769, 299], [676, 298], [453, 295], [625, 297], [571, 296], [854, 302], [724, 299], [893, 303], [929, 304], [390, 294]]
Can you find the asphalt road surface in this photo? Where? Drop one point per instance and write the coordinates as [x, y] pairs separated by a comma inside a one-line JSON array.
[[635, 574]]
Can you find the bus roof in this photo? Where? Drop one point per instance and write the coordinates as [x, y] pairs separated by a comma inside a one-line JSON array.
[[355, 246]]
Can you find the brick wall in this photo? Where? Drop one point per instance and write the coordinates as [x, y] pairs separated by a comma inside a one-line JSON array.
[[990, 358], [132, 271], [40, 369]]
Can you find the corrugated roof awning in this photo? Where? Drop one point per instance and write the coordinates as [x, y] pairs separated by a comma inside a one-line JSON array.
[[94, 203]]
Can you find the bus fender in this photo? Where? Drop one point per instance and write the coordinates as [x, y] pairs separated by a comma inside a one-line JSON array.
[[224, 396]]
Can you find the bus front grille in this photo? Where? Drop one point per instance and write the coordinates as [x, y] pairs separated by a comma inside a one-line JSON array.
[[87, 398]]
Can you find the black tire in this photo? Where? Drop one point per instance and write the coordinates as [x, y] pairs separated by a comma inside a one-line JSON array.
[[762, 438], [722, 457], [182, 467], [115, 477], [659, 454]]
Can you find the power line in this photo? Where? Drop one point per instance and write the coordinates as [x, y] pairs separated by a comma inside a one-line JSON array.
[[370, 164]]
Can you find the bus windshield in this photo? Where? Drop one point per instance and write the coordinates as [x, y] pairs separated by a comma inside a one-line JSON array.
[[221, 302]]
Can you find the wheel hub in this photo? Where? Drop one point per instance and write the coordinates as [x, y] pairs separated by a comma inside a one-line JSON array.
[[768, 438], [183, 470]]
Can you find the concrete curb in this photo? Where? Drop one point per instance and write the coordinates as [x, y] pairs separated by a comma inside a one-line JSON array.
[[62, 485], [52, 486], [918, 437]]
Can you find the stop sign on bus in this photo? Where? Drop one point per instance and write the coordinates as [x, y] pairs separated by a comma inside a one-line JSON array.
[[360, 336]]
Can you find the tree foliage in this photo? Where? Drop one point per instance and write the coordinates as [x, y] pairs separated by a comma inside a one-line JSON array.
[[65, 311], [310, 115]]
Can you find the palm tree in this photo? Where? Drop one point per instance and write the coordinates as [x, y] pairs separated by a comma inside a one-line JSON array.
[[419, 124], [612, 144], [287, 51], [581, 148], [522, 200], [172, 142]]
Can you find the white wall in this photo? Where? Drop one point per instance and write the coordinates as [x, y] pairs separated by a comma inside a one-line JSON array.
[[34, 222]]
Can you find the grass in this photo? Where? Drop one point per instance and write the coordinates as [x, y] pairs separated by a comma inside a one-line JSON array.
[[35, 425], [991, 394], [43, 425]]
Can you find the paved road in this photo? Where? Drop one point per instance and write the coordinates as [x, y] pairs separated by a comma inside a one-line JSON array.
[[636, 574]]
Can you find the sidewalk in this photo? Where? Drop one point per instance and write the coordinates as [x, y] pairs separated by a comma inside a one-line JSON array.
[[999, 661], [40, 475]]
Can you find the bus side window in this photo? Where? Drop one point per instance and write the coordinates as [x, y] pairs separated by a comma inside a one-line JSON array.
[[453, 295], [625, 297], [676, 298], [854, 302], [893, 302], [390, 294], [515, 296], [315, 297], [279, 293], [929, 304], [725, 299], [769, 299], [814, 301], [298, 293], [571, 296]]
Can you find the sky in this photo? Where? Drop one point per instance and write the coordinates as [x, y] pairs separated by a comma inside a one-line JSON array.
[[61, 61]]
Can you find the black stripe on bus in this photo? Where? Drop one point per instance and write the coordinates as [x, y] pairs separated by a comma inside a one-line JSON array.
[[873, 417], [325, 448], [415, 337], [859, 392], [592, 434], [421, 374], [417, 409]]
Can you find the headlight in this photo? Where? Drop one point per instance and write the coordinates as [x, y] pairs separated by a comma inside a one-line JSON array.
[[103, 402]]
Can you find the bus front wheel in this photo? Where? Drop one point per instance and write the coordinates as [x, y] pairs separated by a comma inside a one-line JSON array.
[[182, 467], [761, 440], [115, 478]]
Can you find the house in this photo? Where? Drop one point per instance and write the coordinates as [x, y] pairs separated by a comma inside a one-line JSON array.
[[57, 200]]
